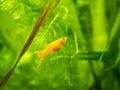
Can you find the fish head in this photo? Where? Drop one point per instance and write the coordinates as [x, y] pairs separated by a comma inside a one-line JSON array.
[[63, 40]]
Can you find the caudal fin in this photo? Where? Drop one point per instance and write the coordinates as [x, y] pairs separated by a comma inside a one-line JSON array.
[[40, 55]]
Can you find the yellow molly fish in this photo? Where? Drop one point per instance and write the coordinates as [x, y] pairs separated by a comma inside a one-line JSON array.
[[50, 48]]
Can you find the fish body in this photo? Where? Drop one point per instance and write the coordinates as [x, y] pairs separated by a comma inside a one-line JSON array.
[[51, 48]]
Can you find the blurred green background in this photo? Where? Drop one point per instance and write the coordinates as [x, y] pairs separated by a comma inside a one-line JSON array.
[[88, 61]]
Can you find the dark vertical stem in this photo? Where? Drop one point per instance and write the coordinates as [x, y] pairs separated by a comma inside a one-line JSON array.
[[45, 13]]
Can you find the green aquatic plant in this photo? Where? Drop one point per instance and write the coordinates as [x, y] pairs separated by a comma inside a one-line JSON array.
[[89, 59]]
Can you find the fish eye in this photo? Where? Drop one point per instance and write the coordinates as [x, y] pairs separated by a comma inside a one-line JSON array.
[[63, 39]]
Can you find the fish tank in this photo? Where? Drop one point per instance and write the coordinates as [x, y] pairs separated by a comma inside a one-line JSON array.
[[59, 45]]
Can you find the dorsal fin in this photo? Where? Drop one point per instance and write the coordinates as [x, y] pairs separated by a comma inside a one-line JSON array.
[[46, 45]]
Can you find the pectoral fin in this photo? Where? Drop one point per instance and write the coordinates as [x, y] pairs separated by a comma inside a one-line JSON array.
[[56, 49]]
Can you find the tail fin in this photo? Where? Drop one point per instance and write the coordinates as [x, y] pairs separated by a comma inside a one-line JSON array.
[[41, 55]]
